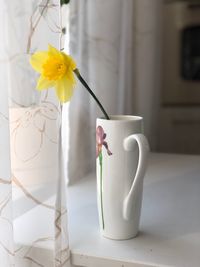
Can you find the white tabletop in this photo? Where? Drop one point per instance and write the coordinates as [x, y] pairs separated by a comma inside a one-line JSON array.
[[170, 220]]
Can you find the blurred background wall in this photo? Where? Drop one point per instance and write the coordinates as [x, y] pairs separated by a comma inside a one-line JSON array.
[[179, 115]]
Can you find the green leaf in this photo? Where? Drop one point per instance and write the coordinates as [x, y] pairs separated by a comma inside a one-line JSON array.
[[64, 2]]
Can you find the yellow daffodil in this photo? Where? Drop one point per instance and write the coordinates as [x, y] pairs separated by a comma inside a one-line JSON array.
[[57, 70]]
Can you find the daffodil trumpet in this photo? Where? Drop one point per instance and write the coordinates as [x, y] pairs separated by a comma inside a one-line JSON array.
[[57, 70]]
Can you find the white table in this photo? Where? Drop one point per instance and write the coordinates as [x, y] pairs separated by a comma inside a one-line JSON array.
[[170, 220]]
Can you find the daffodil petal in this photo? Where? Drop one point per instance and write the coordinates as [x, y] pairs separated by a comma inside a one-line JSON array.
[[64, 89], [70, 77], [44, 83], [69, 61], [38, 59], [52, 51]]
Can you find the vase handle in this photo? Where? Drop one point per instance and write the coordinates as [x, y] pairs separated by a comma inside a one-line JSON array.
[[130, 144]]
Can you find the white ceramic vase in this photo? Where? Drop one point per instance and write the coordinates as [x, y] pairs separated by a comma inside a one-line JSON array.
[[121, 159]]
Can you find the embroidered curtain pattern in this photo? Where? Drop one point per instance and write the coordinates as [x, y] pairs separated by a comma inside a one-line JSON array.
[[33, 215]]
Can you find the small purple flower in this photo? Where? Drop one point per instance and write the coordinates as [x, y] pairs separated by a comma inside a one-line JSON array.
[[100, 141]]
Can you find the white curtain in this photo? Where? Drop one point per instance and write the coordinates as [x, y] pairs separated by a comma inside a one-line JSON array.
[[116, 46], [33, 215]]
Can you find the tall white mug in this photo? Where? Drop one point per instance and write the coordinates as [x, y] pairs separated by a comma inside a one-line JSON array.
[[121, 160]]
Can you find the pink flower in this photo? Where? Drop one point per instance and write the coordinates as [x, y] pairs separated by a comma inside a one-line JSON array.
[[100, 141]]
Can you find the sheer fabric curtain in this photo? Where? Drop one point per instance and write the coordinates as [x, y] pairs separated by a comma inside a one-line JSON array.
[[33, 215], [101, 41], [116, 46]]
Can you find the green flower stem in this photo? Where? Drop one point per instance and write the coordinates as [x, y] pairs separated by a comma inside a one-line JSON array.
[[101, 188], [76, 71]]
